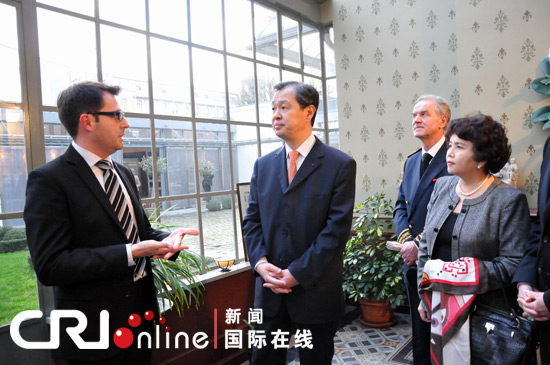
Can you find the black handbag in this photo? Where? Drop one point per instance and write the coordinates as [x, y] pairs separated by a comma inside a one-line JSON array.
[[498, 337]]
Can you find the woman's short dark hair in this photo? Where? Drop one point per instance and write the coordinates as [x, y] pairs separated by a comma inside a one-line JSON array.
[[82, 97], [487, 136], [306, 95]]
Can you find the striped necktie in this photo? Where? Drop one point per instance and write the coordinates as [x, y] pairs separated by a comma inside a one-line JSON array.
[[114, 192]]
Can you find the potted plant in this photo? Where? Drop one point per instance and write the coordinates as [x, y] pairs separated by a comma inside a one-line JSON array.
[[542, 86], [373, 274], [176, 281], [206, 171]]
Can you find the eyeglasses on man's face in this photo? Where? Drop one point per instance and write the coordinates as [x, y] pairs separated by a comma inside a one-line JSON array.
[[119, 114]]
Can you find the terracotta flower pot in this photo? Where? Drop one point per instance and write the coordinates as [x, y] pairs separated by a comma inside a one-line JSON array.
[[377, 314]]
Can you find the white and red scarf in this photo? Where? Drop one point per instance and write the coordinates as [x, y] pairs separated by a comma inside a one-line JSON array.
[[447, 289]]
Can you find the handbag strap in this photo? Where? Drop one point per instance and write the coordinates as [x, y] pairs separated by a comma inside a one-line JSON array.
[[499, 268]]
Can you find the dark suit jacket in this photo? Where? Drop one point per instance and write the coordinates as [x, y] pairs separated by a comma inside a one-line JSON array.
[[414, 192], [537, 249], [303, 227], [77, 245]]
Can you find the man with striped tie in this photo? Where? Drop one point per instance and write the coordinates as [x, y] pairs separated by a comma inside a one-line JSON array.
[[88, 234]]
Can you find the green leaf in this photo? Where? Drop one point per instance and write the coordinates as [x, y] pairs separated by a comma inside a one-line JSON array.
[[541, 85], [542, 114], [545, 66]]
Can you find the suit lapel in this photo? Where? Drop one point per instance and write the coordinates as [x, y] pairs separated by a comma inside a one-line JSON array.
[[279, 161], [87, 176], [544, 186], [413, 178], [434, 170], [310, 164]]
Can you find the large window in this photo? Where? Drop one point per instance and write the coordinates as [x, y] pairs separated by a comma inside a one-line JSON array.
[[196, 80]]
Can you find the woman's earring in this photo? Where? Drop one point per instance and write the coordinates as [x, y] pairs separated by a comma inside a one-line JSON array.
[[478, 165]]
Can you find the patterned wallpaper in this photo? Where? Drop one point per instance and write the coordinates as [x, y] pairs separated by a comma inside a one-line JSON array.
[[478, 54]]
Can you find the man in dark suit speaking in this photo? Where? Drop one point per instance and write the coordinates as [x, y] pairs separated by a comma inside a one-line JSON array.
[[431, 114], [88, 234], [298, 221]]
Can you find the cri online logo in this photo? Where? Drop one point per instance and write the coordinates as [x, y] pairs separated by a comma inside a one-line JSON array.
[[122, 337]]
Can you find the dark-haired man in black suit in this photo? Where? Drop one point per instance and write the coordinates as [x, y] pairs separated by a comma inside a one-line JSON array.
[[95, 253], [297, 224]]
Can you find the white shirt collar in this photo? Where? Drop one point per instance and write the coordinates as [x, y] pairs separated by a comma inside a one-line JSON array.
[[90, 157], [304, 148], [433, 151]]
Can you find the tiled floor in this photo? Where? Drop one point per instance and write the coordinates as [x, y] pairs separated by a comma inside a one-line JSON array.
[[357, 344]]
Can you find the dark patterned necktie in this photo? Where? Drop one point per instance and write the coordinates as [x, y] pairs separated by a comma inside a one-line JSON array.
[[426, 158], [122, 210]]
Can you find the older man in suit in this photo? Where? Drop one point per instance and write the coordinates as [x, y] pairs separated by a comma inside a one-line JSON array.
[[533, 273], [88, 234], [298, 221], [431, 114]]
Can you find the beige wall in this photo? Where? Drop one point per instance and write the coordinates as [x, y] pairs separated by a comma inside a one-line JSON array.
[[478, 54]]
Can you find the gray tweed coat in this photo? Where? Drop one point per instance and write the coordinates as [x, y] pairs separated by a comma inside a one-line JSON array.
[[493, 226]]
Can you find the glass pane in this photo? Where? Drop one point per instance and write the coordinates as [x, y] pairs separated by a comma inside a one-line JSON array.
[[320, 135], [291, 76], [125, 12], [291, 43], [320, 116], [240, 245], [62, 65], [208, 77], [206, 23], [244, 142], [9, 54], [218, 228], [85, 7], [312, 50], [180, 214], [56, 137], [125, 63], [213, 147], [330, 68], [267, 78], [265, 26], [332, 104], [269, 141], [171, 85], [238, 27], [137, 156], [13, 161], [242, 91], [334, 139], [174, 140], [18, 282], [168, 17]]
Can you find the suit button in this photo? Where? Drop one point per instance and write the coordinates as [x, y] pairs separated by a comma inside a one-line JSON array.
[[539, 270], [410, 226], [545, 239], [451, 207], [455, 237], [436, 230], [463, 210], [407, 202], [285, 234]]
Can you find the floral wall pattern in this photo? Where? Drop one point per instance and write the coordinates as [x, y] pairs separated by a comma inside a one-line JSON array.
[[478, 54]]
